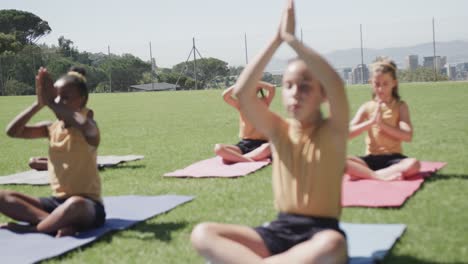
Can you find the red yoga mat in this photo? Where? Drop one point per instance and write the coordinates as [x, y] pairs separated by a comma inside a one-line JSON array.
[[373, 193], [215, 167]]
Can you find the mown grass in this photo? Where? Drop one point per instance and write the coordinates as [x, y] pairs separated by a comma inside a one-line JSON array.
[[174, 129]]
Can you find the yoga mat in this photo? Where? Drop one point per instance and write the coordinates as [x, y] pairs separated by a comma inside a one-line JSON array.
[[122, 212], [369, 243], [374, 193], [33, 177], [214, 167], [110, 161]]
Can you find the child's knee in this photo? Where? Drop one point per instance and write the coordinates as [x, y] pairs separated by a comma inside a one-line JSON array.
[[31, 161], [218, 148], [6, 197], [415, 163], [77, 205], [3, 196], [201, 235], [333, 245]]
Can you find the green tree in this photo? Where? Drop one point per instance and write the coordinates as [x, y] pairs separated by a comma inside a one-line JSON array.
[[126, 70], [66, 47], [8, 42], [207, 70], [14, 87], [25, 26], [421, 74]]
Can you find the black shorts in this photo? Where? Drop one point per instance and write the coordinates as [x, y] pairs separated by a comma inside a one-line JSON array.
[[289, 230], [49, 204], [378, 162], [247, 145]]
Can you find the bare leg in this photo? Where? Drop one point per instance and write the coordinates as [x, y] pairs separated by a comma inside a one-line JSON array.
[[230, 153], [405, 168], [327, 246], [21, 207], [224, 243], [261, 153], [76, 212], [38, 163], [357, 169]]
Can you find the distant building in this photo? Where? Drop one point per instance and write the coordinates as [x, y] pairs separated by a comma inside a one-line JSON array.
[[412, 62], [462, 71], [154, 87], [345, 74], [438, 61], [451, 72], [360, 74]]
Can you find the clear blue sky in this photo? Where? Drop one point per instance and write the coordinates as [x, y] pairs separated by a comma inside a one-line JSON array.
[[219, 25]]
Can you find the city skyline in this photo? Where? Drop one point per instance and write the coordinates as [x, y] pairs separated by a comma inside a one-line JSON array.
[[219, 26]]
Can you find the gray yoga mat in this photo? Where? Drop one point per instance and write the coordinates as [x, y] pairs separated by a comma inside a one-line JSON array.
[[33, 177], [369, 243], [122, 212]]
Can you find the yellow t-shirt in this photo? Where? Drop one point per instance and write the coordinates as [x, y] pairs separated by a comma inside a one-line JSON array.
[[72, 163], [247, 130], [378, 143], [308, 166]]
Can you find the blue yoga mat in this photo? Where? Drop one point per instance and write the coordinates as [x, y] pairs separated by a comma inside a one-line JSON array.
[[122, 212], [369, 243]]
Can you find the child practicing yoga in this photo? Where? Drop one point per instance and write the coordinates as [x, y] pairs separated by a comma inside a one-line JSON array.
[[309, 153], [386, 120], [76, 204], [253, 145], [40, 163]]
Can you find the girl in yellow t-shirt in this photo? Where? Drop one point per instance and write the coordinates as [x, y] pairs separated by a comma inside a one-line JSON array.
[[253, 145], [309, 153], [76, 204], [386, 119]]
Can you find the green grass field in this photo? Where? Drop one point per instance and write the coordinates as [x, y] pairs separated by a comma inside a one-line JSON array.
[[174, 129]]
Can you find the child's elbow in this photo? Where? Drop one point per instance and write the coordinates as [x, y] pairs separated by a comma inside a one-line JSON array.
[[10, 131], [239, 94], [409, 138]]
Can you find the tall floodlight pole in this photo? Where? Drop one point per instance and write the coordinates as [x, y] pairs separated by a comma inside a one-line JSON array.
[[110, 70], [152, 67], [194, 50], [434, 46], [362, 57], [1, 78], [245, 46], [195, 63]]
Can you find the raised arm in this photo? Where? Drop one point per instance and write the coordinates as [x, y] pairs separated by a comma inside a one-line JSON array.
[[246, 91], [18, 127], [332, 83], [85, 124], [404, 131], [270, 89], [362, 122], [227, 96]]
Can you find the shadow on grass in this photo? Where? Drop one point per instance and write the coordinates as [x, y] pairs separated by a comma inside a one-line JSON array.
[[150, 231], [440, 177], [410, 259], [123, 166], [142, 231]]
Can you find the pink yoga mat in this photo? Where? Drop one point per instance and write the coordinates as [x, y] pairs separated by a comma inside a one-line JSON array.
[[373, 193], [215, 167]]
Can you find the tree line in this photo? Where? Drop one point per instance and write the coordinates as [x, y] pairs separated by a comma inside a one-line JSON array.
[[21, 56]]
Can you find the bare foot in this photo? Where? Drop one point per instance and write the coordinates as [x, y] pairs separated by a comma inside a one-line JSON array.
[[394, 177], [66, 231], [17, 228]]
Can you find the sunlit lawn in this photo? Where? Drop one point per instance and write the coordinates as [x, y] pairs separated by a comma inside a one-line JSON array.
[[174, 129]]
